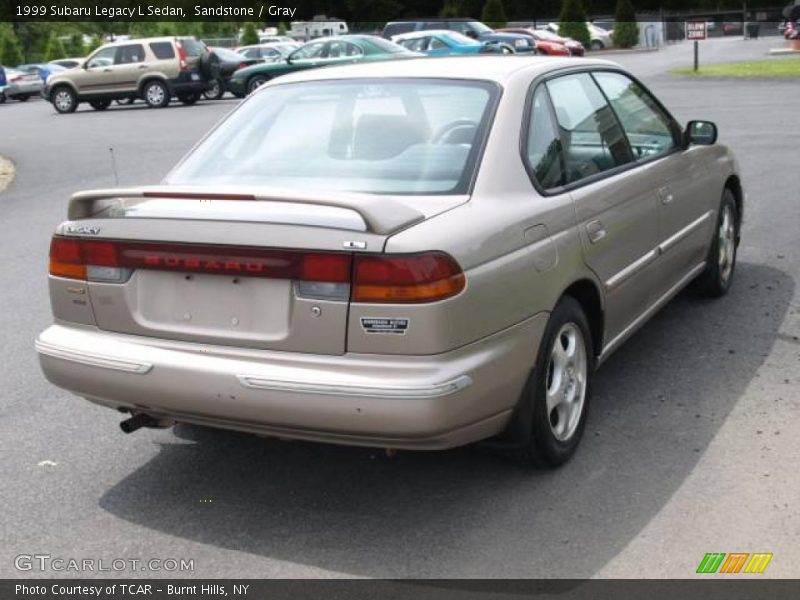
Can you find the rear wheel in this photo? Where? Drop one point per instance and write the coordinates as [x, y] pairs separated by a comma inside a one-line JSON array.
[[2, 98], [255, 82], [23, 98], [721, 261], [597, 45], [156, 94], [215, 90], [100, 104], [64, 100], [558, 389]]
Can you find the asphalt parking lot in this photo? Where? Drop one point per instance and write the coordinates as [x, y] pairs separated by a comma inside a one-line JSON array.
[[691, 446]]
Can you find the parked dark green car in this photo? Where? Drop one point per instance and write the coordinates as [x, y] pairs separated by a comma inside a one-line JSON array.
[[340, 50]]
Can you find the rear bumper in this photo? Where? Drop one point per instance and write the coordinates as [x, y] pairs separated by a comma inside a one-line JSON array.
[[413, 402], [23, 89]]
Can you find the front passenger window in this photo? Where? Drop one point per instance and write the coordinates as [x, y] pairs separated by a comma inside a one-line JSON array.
[[593, 140], [648, 128]]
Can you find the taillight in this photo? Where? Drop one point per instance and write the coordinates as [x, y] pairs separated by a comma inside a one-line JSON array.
[[106, 260], [182, 56], [402, 278], [409, 278]]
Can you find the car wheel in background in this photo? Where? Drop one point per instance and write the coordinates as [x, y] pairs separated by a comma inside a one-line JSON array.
[[64, 99], [2, 98], [100, 104], [189, 99], [124, 101], [215, 91], [156, 94], [597, 45], [22, 98], [716, 279], [255, 82], [558, 388], [506, 49]]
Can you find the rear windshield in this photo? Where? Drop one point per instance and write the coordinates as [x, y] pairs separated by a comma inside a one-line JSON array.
[[228, 55], [192, 46], [392, 136], [162, 50]]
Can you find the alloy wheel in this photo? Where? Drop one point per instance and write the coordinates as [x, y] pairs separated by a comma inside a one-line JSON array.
[[566, 381]]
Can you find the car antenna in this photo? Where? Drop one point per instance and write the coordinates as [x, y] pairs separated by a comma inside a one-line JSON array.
[[114, 166]]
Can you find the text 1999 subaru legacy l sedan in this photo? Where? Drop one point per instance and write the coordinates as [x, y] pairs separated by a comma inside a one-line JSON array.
[[417, 254]]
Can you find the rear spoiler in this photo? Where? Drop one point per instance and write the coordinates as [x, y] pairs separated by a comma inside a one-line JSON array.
[[382, 214]]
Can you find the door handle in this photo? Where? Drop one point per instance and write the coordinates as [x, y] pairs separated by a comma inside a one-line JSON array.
[[143, 66], [595, 231], [107, 70]]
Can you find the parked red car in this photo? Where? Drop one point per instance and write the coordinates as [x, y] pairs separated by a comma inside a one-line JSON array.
[[549, 43]]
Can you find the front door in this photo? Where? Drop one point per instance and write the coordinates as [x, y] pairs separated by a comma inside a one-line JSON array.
[[97, 74]]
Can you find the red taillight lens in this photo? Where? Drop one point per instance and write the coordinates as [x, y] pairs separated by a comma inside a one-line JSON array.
[[405, 278], [69, 257], [66, 258], [412, 278], [182, 56]]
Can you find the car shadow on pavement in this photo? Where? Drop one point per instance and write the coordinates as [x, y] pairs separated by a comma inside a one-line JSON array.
[[657, 405]]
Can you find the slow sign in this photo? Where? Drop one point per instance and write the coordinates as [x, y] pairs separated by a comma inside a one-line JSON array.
[[695, 30]]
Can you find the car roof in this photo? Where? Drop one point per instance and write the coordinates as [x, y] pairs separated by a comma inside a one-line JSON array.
[[146, 40], [487, 68]]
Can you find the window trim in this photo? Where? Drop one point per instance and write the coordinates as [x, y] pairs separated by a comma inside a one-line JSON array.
[[541, 80]]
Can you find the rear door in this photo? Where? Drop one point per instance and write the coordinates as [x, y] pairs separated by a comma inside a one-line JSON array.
[[615, 204]]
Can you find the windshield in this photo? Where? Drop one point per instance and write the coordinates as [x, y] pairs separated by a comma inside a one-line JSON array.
[[386, 46], [228, 55], [460, 38], [386, 136]]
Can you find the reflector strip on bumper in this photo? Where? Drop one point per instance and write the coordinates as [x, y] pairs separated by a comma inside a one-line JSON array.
[[338, 389], [94, 360]]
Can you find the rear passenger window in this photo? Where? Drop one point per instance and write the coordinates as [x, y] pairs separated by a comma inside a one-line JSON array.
[[648, 128], [593, 140], [130, 54], [544, 157], [162, 50]]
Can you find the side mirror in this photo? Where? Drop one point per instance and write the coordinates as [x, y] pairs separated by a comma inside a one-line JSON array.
[[700, 133]]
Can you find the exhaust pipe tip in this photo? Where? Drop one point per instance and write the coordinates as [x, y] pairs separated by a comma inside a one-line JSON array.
[[140, 420]]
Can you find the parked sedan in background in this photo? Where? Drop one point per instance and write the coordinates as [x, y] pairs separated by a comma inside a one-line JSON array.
[[44, 70], [549, 43], [469, 27], [443, 42], [342, 49], [22, 85], [600, 38], [269, 51], [412, 254], [229, 62]]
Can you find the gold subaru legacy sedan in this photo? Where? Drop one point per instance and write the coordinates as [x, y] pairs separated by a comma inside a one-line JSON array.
[[414, 254]]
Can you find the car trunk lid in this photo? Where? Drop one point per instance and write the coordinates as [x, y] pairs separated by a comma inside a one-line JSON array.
[[248, 268]]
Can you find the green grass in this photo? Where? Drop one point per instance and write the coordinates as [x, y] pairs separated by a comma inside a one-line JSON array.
[[774, 67]]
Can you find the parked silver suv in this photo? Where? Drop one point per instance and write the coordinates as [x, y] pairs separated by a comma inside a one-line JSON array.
[[154, 69], [412, 254]]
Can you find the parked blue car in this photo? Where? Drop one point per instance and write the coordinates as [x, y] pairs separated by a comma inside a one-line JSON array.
[[443, 42], [3, 83]]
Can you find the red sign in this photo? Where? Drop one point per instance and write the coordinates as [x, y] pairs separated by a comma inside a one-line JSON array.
[[695, 30]]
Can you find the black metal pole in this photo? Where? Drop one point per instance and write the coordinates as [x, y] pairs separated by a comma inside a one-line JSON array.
[[696, 52]]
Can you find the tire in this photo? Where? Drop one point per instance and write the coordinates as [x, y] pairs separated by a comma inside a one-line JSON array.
[[715, 280], [216, 91], [506, 49], [155, 94], [597, 45], [125, 101], [23, 98], [556, 430], [189, 99], [64, 100], [255, 82], [2, 98], [100, 104]]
